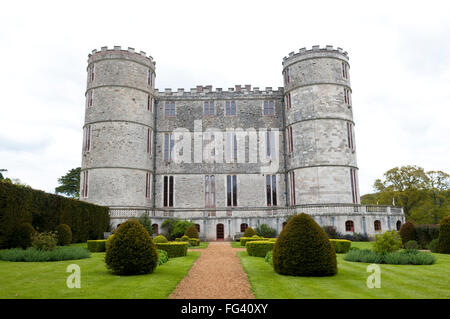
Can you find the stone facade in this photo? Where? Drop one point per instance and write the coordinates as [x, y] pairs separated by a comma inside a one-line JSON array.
[[304, 148]]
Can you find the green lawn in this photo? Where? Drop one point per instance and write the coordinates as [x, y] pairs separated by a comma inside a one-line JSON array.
[[236, 244], [48, 279], [397, 281]]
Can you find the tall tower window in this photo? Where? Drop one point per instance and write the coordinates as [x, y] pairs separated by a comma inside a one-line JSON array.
[[91, 73], [231, 147], [287, 100], [350, 136], [269, 108], [287, 76], [231, 190], [210, 191], [209, 147], [347, 99], [353, 183], [149, 141], [292, 187], [289, 139], [271, 190], [208, 108], [168, 146], [169, 108], [150, 103], [147, 185], [84, 189], [90, 97], [87, 138], [230, 108], [168, 191], [270, 144], [150, 78], [344, 70]]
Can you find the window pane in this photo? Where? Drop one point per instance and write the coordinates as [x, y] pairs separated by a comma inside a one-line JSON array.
[[165, 191], [233, 108], [211, 108], [268, 191], [228, 190], [170, 191], [234, 191], [274, 190], [206, 108], [227, 108]]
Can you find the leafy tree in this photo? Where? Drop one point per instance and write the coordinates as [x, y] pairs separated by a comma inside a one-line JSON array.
[[146, 222], [1, 175], [70, 183]]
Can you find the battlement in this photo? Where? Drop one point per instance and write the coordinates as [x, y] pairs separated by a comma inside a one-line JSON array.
[[207, 90], [316, 50], [118, 48]]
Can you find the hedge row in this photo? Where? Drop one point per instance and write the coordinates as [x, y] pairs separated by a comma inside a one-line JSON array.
[[174, 249], [19, 204], [259, 248], [244, 240], [341, 246], [97, 246]]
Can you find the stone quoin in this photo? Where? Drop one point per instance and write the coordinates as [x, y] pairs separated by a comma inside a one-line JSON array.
[[226, 159]]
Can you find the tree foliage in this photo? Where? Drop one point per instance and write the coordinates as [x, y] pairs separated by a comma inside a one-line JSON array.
[[70, 183], [424, 195]]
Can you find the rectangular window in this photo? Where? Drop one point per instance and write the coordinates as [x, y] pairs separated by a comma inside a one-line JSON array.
[[350, 135], [150, 103], [87, 138], [344, 70], [292, 187], [231, 190], [91, 73], [168, 146], [231, 147], [289, 139], [271, 190], [353, 183], [208, 108], [168, 191], [147, 185], [150, 78], [287, 76], [84, 190], [347, 97], [288, 100], [230, 108], [169, 108], [210, 191], [270, 144], [209, 147], [269, 108], [90, 97], [149, 141]]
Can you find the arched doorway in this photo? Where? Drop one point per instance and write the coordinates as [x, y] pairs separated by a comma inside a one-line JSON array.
[[283, 225], [155, 229], [243, 227], [399, 225], [377, 225], [219, 232]]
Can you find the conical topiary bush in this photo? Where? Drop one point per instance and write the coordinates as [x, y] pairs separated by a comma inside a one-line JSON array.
[[249, 232], [191, 232], [444, 236], [407, 232], [303, 249]]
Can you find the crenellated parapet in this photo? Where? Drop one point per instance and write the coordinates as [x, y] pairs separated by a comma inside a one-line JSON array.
[[118, 53], [238, 91], [315, 52]]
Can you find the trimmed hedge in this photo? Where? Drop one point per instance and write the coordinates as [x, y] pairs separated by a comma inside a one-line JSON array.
[[412, 244], [402, 257], [244, 240], [303, 249], [162, 257], [160, 239], [35, 255], [194, 242], [97, 246], [64, 235], [268, 257], [444, 236], [174, 249], [341, 246], [259, 248], [249, 232], [407, 232], [426, 233], [22, 236], [19, 204]]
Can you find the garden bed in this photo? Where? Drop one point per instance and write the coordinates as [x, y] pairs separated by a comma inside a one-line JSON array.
[[34, 255]]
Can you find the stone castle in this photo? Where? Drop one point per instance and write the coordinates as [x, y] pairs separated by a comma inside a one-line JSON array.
[[229, 158]]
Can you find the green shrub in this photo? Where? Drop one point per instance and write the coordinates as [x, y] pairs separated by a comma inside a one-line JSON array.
[[272, 239], [163, 257], [258, 248], [108, 241], [341, 246], [433, 245], [63, 235], [266, 231], [191, 232], [244, 240], [45, 211], [412, 244], [131, 251], [44, 241], [249, 232], [303, 249], [444, 236], [256, 236], [426, 233], [145, 221], [268, 257], [160, 239], [387, 242], [175, 228], [185, 238], [22, 236], [407, 232], [331, 232], [194, 242], [97, 246], [174, 249], [36, 255], [403, 257]]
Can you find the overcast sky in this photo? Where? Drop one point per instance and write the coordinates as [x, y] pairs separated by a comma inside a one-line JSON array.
[[399, 57]]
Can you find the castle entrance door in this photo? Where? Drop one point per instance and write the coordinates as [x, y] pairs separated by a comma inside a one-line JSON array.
[[219, 232]]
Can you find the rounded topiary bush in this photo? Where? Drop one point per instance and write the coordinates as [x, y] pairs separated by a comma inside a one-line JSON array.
[[444, 236], [185, 238], [303, 249], [249, 232], [64, 235], [23, 236], [407, 232], [412, 244], [191, 232], [131, 251], [160, 239]]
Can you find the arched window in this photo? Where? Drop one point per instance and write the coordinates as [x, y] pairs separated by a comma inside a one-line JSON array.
[[155, 229], [118, 226], [243, 227], [377, 225], [349, 226], [282, 226], [198, 227], [399, 225]]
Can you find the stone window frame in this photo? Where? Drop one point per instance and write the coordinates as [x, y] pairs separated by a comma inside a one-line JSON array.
[[85, 184], [231, 183], [91, 73], [169, 109], [344, 70], [243, 227], [347, 97], [90, 99], [168, 145], [354, 185], [168, 192], [210, 191], [230, 103], [150, 78], [287, 100], [290, 139], [377, 225], [350, 141], [209, 147], [155, 228], [87, 145], [268, 108], [150, 103], [270, 145], [292, 188], [349, 226], [209, 108], [148, 185], [231, 151], [287, 75], [149, 141], [271, 182]]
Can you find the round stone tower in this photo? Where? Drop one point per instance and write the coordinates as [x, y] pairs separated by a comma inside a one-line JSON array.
[[117, 162], [320, 143]]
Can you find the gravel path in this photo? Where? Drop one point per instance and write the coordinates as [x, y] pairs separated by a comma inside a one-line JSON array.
[[216, 274]]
